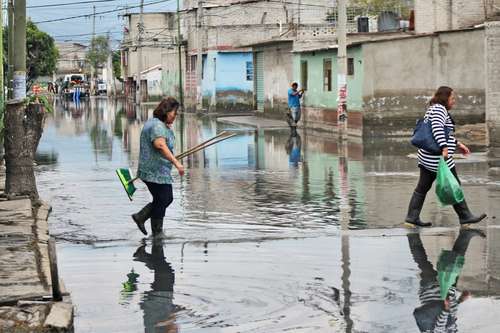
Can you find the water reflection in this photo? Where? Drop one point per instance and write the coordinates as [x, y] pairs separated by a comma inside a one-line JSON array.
[[157, 303], [238, 196], [438, 291]]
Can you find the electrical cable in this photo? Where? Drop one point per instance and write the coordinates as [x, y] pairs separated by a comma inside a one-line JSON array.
[[100, 13]]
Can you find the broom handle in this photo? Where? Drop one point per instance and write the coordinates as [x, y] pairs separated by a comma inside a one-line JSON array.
[[203, 143], [197, 148], [201, 147]]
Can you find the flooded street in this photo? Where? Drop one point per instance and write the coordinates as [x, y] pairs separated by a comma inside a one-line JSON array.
[[268, 232]]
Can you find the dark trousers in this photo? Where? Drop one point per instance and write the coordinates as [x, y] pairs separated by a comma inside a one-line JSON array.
[[162, 198], [427, 178]]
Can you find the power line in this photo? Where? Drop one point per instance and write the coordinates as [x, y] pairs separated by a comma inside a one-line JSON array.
[[68, 4], [99, 13]]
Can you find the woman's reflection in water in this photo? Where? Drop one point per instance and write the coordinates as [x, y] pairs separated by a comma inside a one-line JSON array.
[[159, 311], [439, 302]]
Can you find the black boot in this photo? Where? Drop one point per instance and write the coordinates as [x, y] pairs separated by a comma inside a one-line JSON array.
[[157, 227], [413, 216], [463, 239], [464, 214], [142, 216]]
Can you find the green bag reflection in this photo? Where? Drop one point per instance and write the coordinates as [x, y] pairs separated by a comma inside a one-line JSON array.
[[449, 266], [448, 189]]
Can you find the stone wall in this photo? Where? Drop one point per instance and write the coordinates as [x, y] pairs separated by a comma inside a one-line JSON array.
[[492, 58]]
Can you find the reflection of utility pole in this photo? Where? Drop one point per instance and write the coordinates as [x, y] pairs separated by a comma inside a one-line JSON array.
[[344, 219], [342, 67], [140, 31], [179, 53], [10, 51], [19, 78], [199, 57]]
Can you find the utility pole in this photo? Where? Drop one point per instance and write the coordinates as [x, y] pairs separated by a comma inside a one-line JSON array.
[[110, 78], [140, 31], [2, 90], [19, 78], [179, 53], [10, 50], [92, 65], [199, 57], [342, 68]]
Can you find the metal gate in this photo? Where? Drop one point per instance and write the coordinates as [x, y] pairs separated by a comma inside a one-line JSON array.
[[259, 81]]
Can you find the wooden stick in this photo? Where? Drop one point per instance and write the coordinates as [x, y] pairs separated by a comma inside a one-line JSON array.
[[197, 148], [203, 143], [192, 151]]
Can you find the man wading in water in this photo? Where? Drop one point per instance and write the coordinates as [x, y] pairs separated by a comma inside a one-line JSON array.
[[156, 158], [294, 97]]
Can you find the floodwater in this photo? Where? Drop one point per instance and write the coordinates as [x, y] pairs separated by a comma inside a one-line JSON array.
[[268, 232]]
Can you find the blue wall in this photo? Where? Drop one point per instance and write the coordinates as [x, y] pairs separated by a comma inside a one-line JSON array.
[[225, 75]]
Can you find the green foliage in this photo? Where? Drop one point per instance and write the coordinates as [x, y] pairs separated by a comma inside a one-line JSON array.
[[117, 66], [40, 99], [41, 53], [375, 7], [98, 51]]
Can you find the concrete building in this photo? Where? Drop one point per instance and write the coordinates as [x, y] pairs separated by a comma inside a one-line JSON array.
[[273, 72], [226, 26], [71, 58], [390, 80], [439, 15], [158, 32]]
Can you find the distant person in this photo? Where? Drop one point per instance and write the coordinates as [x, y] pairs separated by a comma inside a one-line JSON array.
[[438, 293], [294, 97], [156, 159], [438, 114]]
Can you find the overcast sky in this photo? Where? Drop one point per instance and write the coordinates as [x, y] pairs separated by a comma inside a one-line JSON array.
[[68, 29]]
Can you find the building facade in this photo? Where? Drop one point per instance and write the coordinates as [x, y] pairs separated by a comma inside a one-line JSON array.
[[71, 58]]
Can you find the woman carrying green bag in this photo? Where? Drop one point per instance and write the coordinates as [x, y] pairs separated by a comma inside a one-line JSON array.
[[438, 114]]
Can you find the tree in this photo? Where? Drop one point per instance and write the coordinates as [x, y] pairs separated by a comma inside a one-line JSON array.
[[375, 7], [117, 65], [98, 52], [42, 53]]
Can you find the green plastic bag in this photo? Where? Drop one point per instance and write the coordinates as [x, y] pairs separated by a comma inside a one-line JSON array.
[[448, 189]]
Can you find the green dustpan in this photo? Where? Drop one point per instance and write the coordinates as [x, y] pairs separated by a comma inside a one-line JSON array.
[[125, 176]]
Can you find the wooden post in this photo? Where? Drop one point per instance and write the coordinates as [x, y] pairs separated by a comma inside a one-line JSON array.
[[54, 274]]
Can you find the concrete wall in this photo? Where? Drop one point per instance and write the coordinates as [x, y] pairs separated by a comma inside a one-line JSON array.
[[71, 58], [319, 105], [400, 76], [278, 74], [492, 57], [170, 72], [439, 15], [158, 26]]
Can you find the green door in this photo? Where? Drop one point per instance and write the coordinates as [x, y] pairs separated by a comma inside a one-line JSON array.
[[259, 81]]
